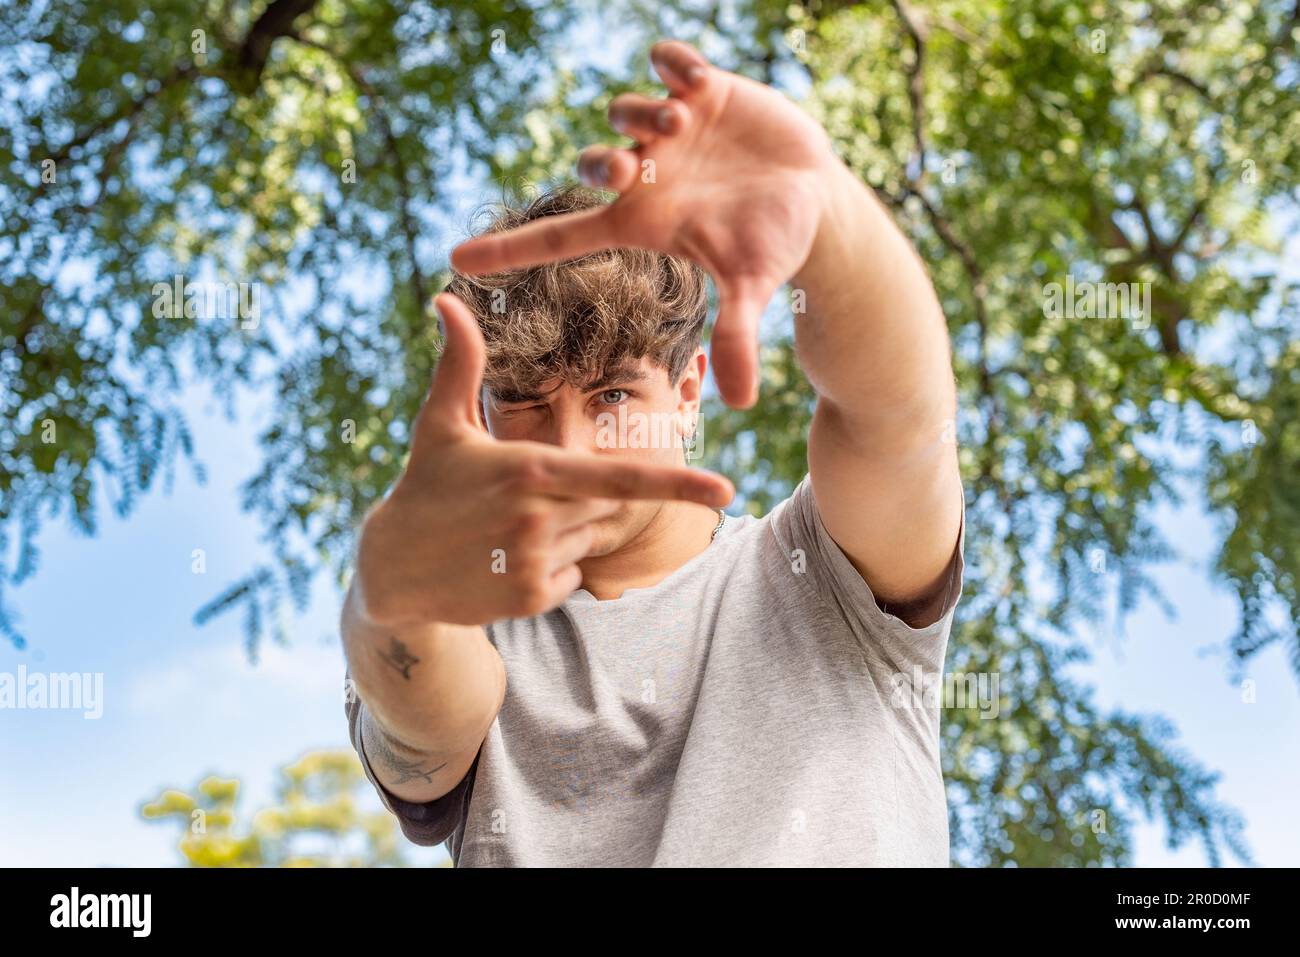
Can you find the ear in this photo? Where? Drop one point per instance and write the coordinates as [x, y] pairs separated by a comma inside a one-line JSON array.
[[690, 390]]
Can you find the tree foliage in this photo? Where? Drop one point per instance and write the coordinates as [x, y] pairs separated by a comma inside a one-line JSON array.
[[1018, 142], [306, 154], [315, 822]]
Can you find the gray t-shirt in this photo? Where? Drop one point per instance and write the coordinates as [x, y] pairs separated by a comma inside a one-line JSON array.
[[744, 711]]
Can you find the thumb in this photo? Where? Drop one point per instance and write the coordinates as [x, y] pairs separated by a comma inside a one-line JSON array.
[[458, 378], [733, 346]]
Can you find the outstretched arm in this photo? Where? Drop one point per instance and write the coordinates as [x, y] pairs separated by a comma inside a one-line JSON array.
[[733, 175], [882, 452]]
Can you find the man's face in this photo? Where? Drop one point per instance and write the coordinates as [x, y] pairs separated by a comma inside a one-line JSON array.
[[632, 412]]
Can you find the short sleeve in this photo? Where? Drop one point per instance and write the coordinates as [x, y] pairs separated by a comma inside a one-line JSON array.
[[425, 824], [798, 527]]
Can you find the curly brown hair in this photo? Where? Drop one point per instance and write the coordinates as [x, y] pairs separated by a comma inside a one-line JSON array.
[[582, 319]]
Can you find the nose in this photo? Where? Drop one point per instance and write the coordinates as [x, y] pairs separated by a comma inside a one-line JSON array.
[[570, 430]]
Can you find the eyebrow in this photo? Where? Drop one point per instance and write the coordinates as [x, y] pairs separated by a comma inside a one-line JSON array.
[[618, 373], [628, 373], [511, 396]]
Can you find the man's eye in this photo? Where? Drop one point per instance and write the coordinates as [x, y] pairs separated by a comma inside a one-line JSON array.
[[619, 396]]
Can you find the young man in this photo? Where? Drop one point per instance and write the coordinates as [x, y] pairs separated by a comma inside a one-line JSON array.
[[561, 651]]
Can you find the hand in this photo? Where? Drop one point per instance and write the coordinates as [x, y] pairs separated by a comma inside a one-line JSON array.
[[726, 172], [426, 553]]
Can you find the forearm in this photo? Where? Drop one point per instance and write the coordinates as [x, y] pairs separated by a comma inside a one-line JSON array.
[[873, 340], [433, 689]]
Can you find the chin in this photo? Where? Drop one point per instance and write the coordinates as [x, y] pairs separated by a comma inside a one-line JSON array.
[[614, 532]]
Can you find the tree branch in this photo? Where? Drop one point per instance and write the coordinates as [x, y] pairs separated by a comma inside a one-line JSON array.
[[915, 83], [276, 21]]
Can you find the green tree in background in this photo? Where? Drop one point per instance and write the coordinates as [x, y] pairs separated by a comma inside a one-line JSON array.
[[315, 821], [289, 144], [1018, 142]]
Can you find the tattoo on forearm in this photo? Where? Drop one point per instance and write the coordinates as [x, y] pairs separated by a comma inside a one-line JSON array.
[[400, 657], [407, 770]]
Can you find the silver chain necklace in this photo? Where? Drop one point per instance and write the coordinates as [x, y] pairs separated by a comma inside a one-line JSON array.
[[722, 517]]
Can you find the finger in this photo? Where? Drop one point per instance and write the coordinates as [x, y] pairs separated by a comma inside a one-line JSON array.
[[608, 168], [733, 345], [565, 582], [570, 547], [571, 474], [454, 393], [646, 118], [682, 67], [549, 239]]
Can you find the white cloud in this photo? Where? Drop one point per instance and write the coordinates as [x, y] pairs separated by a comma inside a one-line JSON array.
[[218, 679]]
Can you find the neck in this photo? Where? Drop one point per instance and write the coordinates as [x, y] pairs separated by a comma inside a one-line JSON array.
[[678, 532]]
